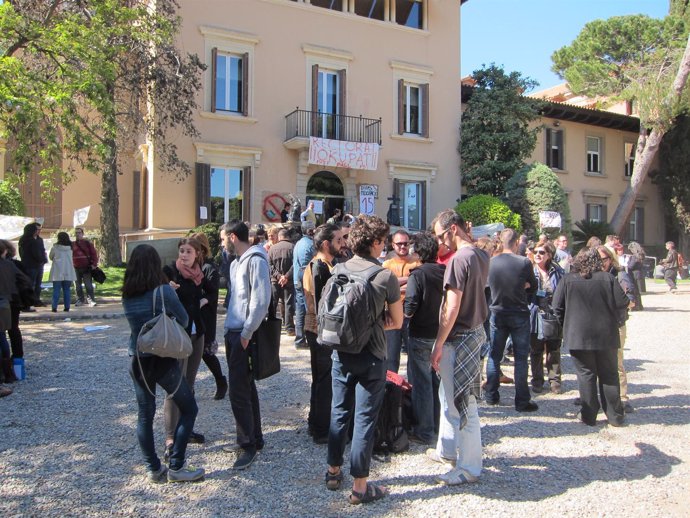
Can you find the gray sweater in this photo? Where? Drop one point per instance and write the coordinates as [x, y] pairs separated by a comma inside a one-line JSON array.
[[250, 292]]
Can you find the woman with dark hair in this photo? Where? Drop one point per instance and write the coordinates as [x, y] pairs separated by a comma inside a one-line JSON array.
[[62, 273], [186, 278], [23, 298], [327, 243], [422, 303], [142, 277], [209, 312], [591, 304], [33, 258], [548, 273]]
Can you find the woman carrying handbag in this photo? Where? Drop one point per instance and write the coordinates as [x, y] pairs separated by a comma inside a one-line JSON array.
[[143, 276]]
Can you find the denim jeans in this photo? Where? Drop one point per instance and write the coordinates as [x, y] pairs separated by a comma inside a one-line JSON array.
[[84, 275], [65, 287], [454, 443], [244, 399], [166, 373], [359, 382], [395, 339], [425, 383], [517, 326], [300, 312], [552, 348], [171, 414]]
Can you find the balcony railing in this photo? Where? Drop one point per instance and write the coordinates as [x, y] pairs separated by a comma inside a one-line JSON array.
[[305, 124]]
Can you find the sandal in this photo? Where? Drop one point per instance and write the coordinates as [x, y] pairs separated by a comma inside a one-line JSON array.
[[334, 480], [372, 494]]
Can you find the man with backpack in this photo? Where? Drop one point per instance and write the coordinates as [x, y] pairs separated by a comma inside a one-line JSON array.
[[359, 372], [249, 294], [456, 351]]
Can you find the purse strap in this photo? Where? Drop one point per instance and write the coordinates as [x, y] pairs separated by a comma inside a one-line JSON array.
[[141, 369]]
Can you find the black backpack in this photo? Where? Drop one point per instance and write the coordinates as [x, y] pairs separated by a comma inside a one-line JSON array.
[[394, 421], [346, 313]]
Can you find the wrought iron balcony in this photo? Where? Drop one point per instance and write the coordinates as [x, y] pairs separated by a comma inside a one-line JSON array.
[[302, 124]]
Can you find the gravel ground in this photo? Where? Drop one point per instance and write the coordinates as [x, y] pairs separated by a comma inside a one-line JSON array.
[[68, 442]]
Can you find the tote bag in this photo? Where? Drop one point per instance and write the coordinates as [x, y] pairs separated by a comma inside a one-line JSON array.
[[265, 346]]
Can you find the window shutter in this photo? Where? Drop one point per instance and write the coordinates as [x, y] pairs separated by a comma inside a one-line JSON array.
[[203, 191], [604, 216], [425, 109], [640, 224], [214, 72], [588, 215], [342, 103], [547, 153], [314, 100], [423, 206], [245, 84], [401, 106], [246, 193], [394, 215], [559, 143]]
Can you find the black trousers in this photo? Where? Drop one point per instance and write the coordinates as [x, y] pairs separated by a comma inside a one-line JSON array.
[[244, 398], [598, 370], [321, 387]]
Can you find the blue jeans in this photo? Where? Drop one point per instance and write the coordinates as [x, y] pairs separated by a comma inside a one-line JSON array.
[[425, 403], [395, 339], [359, 382], [66, 287], [517, 326], [166, 373], [300, 312]]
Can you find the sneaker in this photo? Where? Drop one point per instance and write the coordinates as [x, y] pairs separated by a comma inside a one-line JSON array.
[[530, 406], [245, 459], [78, 303], [433, 455], [455, 477], [92, 303], [158, 477], [186, 473]]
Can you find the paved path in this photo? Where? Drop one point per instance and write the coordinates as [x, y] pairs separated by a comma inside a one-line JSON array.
[[67, 439]]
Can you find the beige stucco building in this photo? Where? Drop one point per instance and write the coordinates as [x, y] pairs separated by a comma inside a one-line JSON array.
[[370, 87]]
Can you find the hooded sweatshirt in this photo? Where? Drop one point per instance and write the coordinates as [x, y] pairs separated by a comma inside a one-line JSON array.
[[249, 293]]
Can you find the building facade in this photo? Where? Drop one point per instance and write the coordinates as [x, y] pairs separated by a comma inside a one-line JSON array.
[[344, 102]]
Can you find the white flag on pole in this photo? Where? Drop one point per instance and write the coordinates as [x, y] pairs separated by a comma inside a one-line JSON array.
[[81, 215]]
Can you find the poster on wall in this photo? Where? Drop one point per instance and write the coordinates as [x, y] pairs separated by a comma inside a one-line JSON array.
[[367, 199], [340, 153], [549, 219], [318, 206]]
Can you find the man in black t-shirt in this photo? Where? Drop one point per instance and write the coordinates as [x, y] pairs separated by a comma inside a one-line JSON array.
[[512, 284]]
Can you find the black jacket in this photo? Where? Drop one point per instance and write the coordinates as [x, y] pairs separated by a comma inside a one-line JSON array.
[[190, 296], [423, 299]]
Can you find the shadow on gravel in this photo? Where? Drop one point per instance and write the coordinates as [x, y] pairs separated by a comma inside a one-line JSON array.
[[536, 475], [634, 365], [672, 409]]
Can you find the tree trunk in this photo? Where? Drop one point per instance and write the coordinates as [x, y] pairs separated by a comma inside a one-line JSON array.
[[110, 209], [645, 151], [647, 148]]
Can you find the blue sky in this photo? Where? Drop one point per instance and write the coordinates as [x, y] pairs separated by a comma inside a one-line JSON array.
[[521, 35]]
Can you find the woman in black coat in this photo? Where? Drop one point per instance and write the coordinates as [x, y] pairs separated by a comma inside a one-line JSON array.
[[591, 304]]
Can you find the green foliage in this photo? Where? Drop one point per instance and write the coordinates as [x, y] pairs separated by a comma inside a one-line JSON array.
[[584, 229], [484, 209], [496, 133], [537, 188], [212, 231], [11, 202], [673, 174], [631, 57]]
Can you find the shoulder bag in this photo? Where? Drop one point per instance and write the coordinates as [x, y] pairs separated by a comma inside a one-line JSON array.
[[163, 336]]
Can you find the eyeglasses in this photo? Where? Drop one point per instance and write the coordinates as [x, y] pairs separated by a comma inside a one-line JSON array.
[[439, 237], [605, 258], [402, 243], [540, 252]]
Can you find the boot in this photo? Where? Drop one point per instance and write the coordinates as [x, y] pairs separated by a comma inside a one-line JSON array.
[[8, 370], [221, 387]]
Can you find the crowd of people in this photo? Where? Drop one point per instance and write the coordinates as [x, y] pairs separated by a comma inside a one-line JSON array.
[[455, 305], [72, 262]]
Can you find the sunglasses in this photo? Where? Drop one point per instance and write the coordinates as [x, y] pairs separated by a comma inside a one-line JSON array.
[[540, 252], [402, 243], [439, 237]]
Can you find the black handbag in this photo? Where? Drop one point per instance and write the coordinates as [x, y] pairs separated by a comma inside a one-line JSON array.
[[98, 275], [549, 328], [265, 346]]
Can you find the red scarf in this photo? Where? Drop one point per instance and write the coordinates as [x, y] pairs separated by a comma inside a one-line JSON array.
[[194, 273]]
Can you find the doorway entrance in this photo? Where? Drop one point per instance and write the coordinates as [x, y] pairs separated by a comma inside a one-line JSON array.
[[328, 193]]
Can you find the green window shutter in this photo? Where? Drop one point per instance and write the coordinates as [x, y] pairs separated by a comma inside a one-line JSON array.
[[203, 191], [425, 109], [214, 72], [401, 106], [547, 153], [246, 193]]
